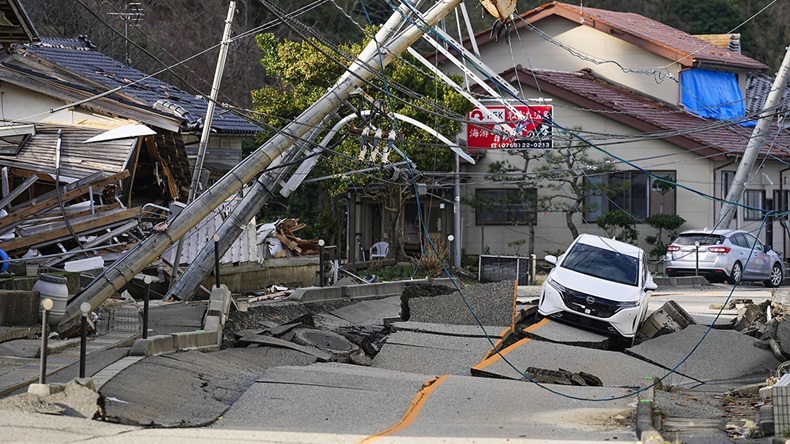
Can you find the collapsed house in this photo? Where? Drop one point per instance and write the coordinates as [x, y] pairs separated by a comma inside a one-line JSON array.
[[94, 153]]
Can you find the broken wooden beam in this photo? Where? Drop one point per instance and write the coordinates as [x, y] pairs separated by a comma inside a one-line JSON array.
[[19, 215], [78, 226]]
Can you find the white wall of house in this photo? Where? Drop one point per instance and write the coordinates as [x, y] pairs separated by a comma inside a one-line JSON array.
[[552, 232], [24, 105], [538, 53]]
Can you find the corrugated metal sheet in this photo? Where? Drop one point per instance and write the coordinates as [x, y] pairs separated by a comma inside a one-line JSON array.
[[244, 249], [77, 159]]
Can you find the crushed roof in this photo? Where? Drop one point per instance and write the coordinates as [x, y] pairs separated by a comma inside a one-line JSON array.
[[703, 136], [77, 159], [15, 24], [78, 56]]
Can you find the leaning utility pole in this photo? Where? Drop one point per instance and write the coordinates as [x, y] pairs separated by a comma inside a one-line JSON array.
[[116, 277], [753, 148], [201, 154]]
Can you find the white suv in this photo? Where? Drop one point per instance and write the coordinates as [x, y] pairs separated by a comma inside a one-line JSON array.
[[599, 283]]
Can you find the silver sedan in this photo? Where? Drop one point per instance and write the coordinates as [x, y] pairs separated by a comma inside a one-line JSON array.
[[724, 255]]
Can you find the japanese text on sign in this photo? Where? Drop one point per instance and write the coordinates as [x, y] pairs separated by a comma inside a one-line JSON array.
[[532, 132]]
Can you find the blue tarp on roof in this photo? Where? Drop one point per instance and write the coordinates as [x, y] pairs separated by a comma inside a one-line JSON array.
[[712, 94], [77, 56]]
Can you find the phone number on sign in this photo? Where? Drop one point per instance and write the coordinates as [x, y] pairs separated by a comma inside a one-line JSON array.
[[524, 144]]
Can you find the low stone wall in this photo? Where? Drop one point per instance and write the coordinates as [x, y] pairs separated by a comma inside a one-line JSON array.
[[362, 291], [251, 276]]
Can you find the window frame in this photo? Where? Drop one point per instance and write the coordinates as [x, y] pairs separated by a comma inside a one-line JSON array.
[[511, 211], [625, 199], [748, 213]]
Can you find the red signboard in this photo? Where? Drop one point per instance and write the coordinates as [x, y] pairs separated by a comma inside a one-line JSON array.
[[532, 131]]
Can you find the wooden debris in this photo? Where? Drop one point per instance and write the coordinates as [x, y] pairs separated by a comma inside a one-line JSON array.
[[293, 245]]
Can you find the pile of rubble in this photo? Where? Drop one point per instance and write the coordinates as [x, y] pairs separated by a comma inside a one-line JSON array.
[[280, 240], [85, 216]]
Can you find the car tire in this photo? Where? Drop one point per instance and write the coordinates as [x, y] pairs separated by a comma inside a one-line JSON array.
[[736, 274], [777, 276]]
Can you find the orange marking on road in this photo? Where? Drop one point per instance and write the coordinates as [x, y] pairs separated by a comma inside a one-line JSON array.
[[494, 357], [412, 411], [503, 336], [537, 325]]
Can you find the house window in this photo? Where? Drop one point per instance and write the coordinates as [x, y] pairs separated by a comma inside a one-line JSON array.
[[727, 177], [640, 194], [431, 216], [755, 204], [506, 207], [782, 203], [13, 138]]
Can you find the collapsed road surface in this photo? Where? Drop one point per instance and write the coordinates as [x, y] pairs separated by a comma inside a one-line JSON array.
[[433, 376]]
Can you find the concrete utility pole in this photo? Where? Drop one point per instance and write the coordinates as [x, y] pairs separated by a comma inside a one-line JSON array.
[[115, 278], [753, 148], [201, 155]]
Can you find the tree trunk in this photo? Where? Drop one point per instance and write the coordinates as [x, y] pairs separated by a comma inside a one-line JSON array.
[[392, 216], [571, 225]]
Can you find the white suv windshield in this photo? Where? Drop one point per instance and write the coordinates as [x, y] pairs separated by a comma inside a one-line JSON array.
[[602, 263]]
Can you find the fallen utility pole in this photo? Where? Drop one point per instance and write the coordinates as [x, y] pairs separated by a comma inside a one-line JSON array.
[[753, 148], [116, 277]]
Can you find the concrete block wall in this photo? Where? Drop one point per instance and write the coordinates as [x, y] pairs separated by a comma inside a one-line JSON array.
[[197, 340], [362, 291], [153, 345]]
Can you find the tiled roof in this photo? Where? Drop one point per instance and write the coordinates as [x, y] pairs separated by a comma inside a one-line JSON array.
[[758, 86], [665, 40], [703, 136], [638, 30], [78, 57]]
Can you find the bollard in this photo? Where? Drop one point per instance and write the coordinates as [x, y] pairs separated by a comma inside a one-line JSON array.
[[46, 304], [321, 261], [216, 258], [85, 307], [533, 268], [451, 255], [146, 296], [696, 258]]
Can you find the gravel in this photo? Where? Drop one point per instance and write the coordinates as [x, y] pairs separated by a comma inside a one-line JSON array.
[[492, 303]]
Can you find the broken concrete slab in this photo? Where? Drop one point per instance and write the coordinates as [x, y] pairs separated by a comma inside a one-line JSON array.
[[329, 321], [613, 368], [271, 341], [326, 398], [369, 312], [722, 355], [472, 331], [73, 399], [667, 319], [192, 388], [334, 400], [434, 354], [783, 336], [554, 331], [748, 314]]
